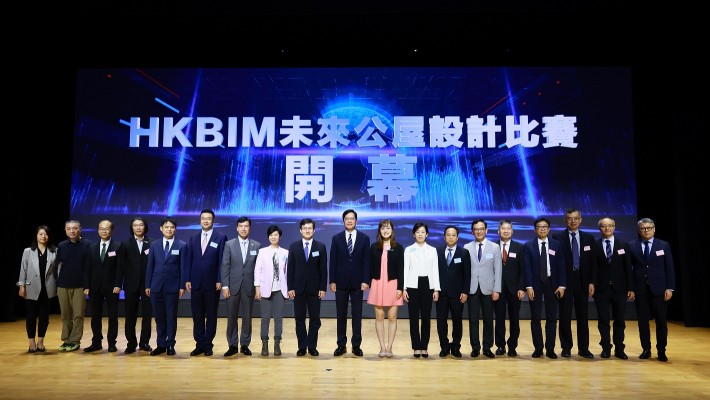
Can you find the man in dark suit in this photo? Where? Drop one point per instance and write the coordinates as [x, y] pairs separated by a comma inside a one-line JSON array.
[[613, 287], [545, 279], [203, 279], [238, 264], [654, 283], [581, 270], [454, 278], [349, 278], [99, 278], [307, 277], [512, 290], [130, 276], [165, 284]]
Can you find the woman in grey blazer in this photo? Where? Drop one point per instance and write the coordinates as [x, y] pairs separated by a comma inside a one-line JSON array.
[[38, 285]]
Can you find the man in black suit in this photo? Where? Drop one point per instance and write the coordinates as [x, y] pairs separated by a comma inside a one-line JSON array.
[[512, 291], [545, 279], [349, 278], [654, 283], [613, 287], [307, 277], [454, 278], [130, 276], [99, 278], [581, 269]]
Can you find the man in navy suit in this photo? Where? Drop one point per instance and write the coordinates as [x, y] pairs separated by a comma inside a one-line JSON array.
[[165, 284], [512, 290], [203, 279], [614, 287], [654, 283], [100, 275], [581, 270], [454, 278], [307, 280], [349, 278], [544, 283]]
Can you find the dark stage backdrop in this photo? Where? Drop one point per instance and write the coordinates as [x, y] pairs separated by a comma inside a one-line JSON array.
[[437, 145]]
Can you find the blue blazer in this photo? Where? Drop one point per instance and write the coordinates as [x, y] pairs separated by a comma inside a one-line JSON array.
[[349, 271], [531, 259], [659, 272], [165, 273], [204, 271]]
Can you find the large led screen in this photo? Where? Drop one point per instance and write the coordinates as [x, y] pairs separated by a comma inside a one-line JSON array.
[[437, 145]]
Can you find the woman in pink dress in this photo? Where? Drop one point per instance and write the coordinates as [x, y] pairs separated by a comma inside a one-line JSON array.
[[387, 263]]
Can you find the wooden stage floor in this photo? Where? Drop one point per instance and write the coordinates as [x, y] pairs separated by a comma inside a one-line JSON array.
[[58, 375]]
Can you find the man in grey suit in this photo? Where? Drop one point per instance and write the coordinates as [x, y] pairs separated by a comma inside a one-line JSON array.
[[238, 264], [486, 277]]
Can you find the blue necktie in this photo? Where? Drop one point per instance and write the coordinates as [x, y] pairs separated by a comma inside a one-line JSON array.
[[608, 251], [575, 251], [305, 251], [480, 246], [350, 243], [448, 258], [167, 248], [647, 250]]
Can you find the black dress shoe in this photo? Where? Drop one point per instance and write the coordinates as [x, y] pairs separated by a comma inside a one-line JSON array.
[[488, 353], [196, 352], [357, 351], [566, 354], [551, 354], [645, 355], [444, 353], [662, 356], [171, 351], [92, 348], [208, 353], [313, 352], [500, 351], [130, 350], [537, 354], [158, 351], [339, 351], [512, 353], [456, 353], [417, 355], [301, 352], [245, 350], [145, 347], [231, 351], [586, 354], [112, 348], [605, 354], [475, 353], [621, 355]]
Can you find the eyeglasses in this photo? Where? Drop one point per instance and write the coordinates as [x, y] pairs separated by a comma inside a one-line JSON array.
[[606, 226], [479, 229], [542, 227], [647, 228], [104, 229]]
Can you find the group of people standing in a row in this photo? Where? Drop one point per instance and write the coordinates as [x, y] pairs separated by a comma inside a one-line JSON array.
[[558, 272]]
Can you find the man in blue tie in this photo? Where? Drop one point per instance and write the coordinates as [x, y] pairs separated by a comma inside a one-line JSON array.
[[581, 271], [349, 278], [654, 283], [307, 281], [614, 287], [454, 278]]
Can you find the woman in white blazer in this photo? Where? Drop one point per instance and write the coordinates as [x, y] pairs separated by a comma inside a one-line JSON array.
[[271, 290], [38, 285]]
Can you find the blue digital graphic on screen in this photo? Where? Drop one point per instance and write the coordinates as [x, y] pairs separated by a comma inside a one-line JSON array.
[[437, 145]]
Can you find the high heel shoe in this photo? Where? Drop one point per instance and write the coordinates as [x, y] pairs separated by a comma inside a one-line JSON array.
[[425, 354], [31, 350], [417, 353], [41, 349]]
